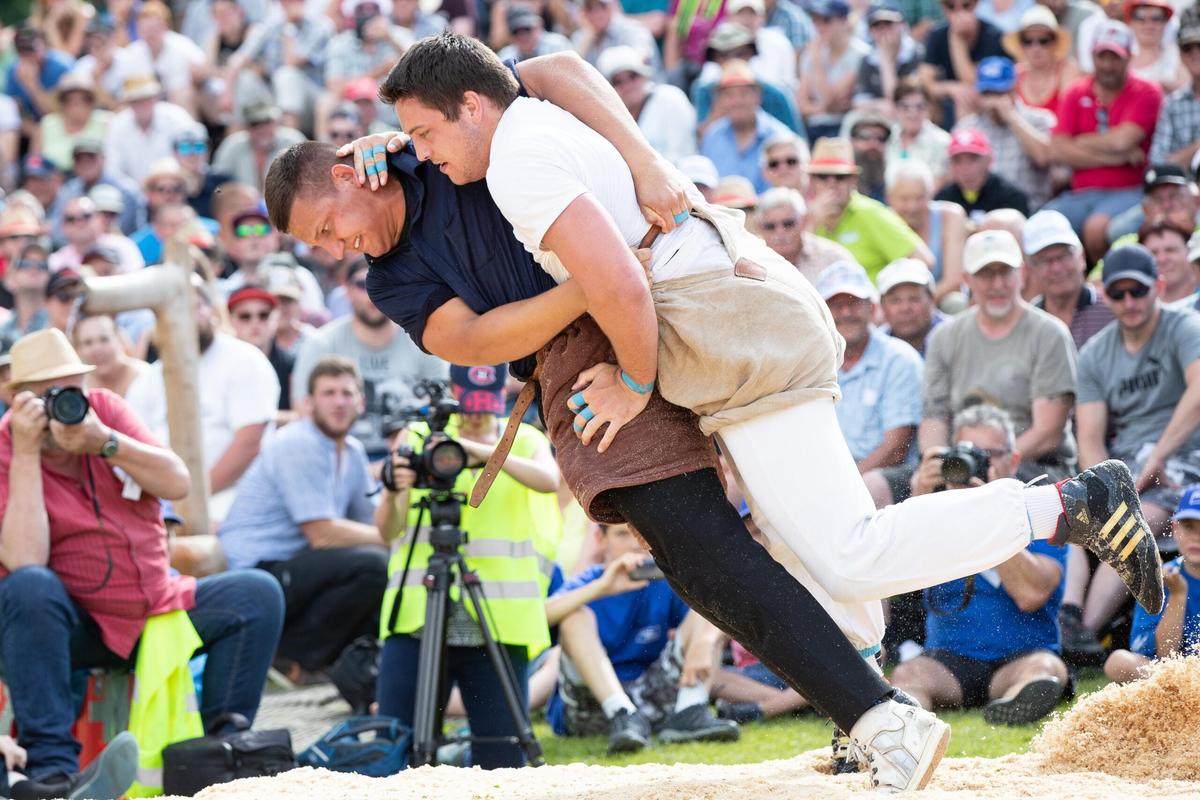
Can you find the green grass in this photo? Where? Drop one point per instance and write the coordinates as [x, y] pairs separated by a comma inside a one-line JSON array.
[[786, 737]]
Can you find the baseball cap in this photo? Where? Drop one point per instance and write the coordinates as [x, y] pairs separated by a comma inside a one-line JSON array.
[[260, 111], [995, 74], [107, 198], [520, 18], [734, 6], [479, 390], [250, 292], [969, 140], [253, 212], [730, 36], [846, 277], [1189, 27], [283, 282], [88, 144], [363, 88], [65, 280], [102, 251], [884, 12], [1132, 262], [1046, 229], [1166, 174], [904, 270], [622, 58], [700, 170], [1130, 5], [828, 8], [1113, 36], [1189, 504], [37, 165], [991, 247]]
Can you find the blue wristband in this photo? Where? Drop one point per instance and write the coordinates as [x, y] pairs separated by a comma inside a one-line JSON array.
[[640, 388]]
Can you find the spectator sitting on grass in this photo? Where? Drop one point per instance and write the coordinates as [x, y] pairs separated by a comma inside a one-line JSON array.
[[620, 671], [991, 638], [1176, 629]]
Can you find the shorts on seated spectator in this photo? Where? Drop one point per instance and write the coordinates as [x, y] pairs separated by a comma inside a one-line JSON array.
[[653, 692], [975, 676]]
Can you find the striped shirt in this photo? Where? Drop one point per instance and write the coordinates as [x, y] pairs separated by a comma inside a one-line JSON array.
[[114, 563], [1090, 317], [1178, 124]]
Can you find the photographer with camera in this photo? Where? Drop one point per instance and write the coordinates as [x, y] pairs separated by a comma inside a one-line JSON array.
[[507, 540], [992, 638], [303, 513], [83, 565]]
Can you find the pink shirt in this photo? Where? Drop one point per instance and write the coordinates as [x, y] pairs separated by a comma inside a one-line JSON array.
[[115, 568], [1080, 112]]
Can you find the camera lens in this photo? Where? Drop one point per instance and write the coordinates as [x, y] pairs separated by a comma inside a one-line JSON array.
[[957, 468], [446, 459], [68, 405]]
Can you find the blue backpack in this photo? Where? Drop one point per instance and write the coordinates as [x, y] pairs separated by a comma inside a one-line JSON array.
[[344, 748]]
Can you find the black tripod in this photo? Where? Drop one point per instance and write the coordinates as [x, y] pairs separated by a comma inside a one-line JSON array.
[[444, 509]]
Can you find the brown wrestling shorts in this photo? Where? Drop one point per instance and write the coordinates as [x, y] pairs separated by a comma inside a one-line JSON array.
[[661, 442]]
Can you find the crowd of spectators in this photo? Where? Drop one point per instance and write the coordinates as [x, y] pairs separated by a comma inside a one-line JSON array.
[[997, 200]]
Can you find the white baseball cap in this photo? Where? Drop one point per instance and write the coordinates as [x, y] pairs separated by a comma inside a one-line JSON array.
[[700, 170], [1046, 229], [904, 270], [846, 277], [991, 247]]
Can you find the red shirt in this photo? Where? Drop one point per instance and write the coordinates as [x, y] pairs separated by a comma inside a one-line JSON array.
[[129, 536], [1080, 112]]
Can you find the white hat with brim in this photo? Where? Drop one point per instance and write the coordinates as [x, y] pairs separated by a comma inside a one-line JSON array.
[[846, 277], [1046, 229], [44, 355], [991, 247], [902, 271]]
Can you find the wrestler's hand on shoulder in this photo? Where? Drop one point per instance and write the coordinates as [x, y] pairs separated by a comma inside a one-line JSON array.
[[610, 401], [661, 193], [391, 141]]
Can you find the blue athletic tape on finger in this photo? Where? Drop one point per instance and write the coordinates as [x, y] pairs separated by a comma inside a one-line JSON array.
[[576, 402], [680, 217], [578, 428], [587, 414], [374, 168], [378, 150]]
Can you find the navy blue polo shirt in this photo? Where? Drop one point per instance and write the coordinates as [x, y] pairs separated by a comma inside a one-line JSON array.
[[455, 243]]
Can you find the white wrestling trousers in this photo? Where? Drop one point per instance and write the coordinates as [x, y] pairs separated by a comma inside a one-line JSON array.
[[807, 496]]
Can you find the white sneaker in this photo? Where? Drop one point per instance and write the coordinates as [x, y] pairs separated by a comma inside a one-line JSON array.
[[902, 744]]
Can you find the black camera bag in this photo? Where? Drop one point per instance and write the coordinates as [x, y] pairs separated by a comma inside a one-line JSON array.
[[194, 764]]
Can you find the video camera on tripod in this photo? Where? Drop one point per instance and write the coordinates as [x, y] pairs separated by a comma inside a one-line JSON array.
[[441, 458]]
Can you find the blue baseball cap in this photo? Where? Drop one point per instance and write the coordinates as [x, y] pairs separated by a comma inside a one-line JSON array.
[[1189, 503], [479, 390], [828, 8], [995, 74], [1131, 261]]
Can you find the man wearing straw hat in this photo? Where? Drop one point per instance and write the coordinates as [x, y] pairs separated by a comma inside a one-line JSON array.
[[84, 563]]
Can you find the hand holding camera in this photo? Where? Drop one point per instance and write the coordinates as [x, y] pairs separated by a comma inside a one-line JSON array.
[[960, 466], [618, 575]]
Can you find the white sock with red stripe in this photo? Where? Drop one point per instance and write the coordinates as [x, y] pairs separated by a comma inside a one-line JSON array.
[[1044, 506]]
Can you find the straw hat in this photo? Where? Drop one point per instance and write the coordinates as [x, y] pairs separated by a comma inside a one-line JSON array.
[[832, 157], [1038, 17], [43, 356]]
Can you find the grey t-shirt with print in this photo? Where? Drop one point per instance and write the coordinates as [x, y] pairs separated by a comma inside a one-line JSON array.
[[1140, 390], [1035, 360]]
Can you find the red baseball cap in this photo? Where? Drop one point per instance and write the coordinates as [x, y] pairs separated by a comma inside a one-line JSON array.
[[969, 140], [245, 293]]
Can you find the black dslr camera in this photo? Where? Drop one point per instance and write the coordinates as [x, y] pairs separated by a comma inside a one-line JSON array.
[[66, 404], [964, 461], [441, 458]]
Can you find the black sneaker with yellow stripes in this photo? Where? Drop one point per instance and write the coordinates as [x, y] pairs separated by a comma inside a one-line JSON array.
[[1102, 513]]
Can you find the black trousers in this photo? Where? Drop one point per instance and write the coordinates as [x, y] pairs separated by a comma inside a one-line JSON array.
[[712, 563], [331, 598]]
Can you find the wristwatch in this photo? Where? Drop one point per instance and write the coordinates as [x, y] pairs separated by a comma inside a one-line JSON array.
[[109, 448]]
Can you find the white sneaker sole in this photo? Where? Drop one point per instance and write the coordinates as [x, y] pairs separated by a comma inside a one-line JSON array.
[[932, 755]]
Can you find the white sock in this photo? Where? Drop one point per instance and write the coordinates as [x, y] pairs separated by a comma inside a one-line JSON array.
[[611, 705], [1044, 506], [691, 696]]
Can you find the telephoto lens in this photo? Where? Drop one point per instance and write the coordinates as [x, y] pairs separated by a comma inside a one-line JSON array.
[[66, 404]]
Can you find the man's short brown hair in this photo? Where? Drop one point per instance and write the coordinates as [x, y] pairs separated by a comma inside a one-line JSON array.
[[438, 70], [333, 367], [302, 170]]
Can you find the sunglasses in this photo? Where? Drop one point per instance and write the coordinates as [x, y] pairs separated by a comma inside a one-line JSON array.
[[30, 263], [250, 316], [622, 78], [833, 178], [786, 225], [1139, 291], [776, 163], [1040, 41], [66, 296], [1140, 15], [340, 135], [878, 138], [191, 148], [166, 188], [919, 106], [78, 217], [1190, 47], [958, 6], [245, 230]]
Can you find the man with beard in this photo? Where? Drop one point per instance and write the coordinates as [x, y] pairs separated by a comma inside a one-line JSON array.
[[303, 513], [390, 364], [239, 394], [1105, 124], [1005, 352], [869, 132]]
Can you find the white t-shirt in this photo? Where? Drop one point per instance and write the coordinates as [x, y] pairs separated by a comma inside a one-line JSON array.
[[238, 387], [174, 63], [668, 121], [542, 158]]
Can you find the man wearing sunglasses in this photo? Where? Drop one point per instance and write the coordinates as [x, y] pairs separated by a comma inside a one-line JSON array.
[[200, 182], [1137, 398], [25, 278], [1177, 135]]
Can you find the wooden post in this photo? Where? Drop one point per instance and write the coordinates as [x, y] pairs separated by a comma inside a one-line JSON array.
[[167, 291]]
